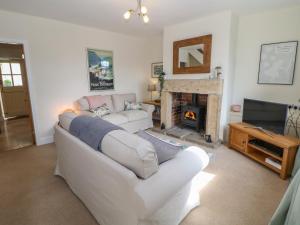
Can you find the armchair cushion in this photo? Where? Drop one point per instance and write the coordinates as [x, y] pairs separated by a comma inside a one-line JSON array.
[[116, 118], [131, 151], [119, 101]]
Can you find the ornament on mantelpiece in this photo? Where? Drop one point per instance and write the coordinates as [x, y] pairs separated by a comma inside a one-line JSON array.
[[212, 76], [218, 72]]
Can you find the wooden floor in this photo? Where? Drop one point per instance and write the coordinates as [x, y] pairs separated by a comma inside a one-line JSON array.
[[15, 134]]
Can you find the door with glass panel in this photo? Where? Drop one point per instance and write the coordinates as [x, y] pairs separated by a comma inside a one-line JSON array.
[[13, 93]]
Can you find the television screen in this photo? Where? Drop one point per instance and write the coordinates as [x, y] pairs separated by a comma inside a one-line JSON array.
[[270, 116]]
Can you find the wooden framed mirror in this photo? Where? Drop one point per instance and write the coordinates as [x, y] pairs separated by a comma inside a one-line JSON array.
[[192, 55]]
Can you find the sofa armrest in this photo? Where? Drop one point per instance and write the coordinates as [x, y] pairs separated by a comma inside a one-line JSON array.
[[148, 108], [171, 177], [104, 185]]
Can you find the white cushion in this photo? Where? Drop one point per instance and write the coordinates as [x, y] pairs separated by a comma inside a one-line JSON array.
[[65, 119], [119, 101], [82, 104], [116, 118], [134, 115], [131, 151]]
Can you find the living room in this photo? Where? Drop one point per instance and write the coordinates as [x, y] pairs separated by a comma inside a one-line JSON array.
[[130, 53]]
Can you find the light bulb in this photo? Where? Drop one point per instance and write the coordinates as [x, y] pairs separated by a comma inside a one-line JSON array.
[[127, 15], [144, 10], [146, 19]]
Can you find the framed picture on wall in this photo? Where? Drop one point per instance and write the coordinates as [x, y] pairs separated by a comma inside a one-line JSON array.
[[277, 63], [156, 69], [100, 70]]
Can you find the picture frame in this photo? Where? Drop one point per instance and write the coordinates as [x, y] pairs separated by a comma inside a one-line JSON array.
[[100, 69], [156, 69], [277, 63]]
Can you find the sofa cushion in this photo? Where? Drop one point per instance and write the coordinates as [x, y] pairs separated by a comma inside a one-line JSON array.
[[119, 101], [133, 115], [99, 100], [116, 118], [82, 104], [131, 151]]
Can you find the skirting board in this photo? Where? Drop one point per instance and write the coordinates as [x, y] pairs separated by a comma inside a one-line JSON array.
[[44, 140]]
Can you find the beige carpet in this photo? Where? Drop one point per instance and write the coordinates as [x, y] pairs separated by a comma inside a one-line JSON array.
[[241, 192]]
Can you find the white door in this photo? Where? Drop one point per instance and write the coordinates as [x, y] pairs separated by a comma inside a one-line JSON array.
[[12, 90]]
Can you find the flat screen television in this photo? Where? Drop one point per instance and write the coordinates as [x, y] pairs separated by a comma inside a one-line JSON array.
[[267, 115]]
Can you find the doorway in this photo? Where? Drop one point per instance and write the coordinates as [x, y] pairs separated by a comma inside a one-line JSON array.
[[16, 126]]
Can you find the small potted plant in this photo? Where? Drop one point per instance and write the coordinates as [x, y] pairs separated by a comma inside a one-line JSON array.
[[161, 79]]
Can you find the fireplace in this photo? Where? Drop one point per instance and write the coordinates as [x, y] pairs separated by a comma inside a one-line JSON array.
[[178, 106], [189, 110]]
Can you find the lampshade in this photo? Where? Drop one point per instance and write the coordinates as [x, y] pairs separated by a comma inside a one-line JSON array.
[[151, 87]]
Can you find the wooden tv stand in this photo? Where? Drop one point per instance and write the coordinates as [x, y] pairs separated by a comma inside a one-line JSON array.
[[243, 138]]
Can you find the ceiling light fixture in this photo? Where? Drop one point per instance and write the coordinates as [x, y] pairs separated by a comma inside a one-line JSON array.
[[141, 12]]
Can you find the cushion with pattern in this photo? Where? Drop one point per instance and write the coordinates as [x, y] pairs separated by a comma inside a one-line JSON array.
[[132, 106], [101, 111]]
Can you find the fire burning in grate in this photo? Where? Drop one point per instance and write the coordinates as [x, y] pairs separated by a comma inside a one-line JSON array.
[[190, 115]]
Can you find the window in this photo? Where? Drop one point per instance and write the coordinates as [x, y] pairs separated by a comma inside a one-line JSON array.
[[11, 74]]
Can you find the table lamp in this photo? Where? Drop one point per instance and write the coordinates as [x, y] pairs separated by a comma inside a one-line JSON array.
[[151, 88]]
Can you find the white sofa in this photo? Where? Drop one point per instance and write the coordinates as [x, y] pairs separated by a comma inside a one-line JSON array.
[[132, 120], [115, 195]]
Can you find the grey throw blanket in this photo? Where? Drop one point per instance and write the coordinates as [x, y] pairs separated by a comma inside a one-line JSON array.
[[91, 130], [164, 150]]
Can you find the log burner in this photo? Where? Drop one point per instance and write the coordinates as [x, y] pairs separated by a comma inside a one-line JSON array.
[[193, 115]]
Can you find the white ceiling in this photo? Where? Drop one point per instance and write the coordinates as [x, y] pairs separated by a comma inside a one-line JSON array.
[[108, 14]]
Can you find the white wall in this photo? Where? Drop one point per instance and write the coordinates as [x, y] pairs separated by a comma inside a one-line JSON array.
[[57, 70], [254, 30], [222, 26], [156, 56]]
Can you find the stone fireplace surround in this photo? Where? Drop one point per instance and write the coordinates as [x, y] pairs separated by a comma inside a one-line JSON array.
[[212, 88]]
